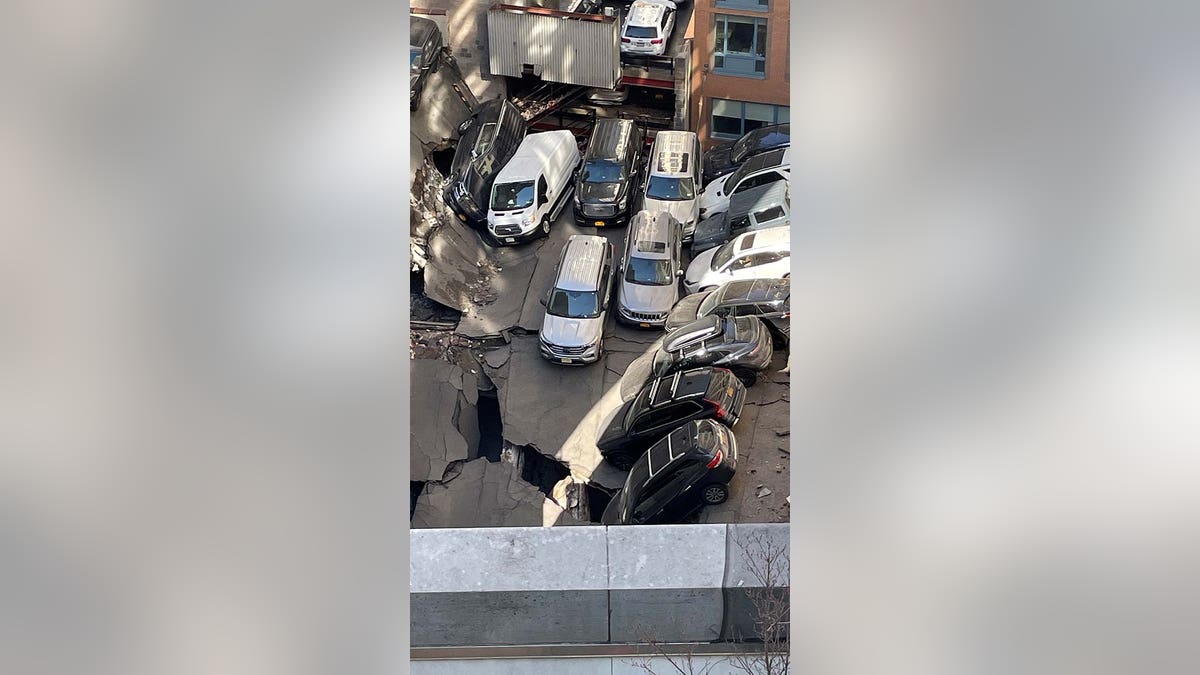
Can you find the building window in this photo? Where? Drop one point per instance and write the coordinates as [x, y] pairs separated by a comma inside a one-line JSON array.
[[740, 47], [748, 5], [732, 119]]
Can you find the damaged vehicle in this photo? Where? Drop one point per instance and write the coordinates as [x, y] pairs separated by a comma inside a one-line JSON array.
[[677, 476], [665, 403], [725, 159], [606, 186], [741, 344], [486, 141]]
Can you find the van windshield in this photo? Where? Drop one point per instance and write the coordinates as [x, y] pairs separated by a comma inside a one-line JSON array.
[[670, 189], [574, 304], [649, 272], [509, 196]]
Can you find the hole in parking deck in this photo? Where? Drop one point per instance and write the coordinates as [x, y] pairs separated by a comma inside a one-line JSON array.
[[598, 500], [491, 427], [541, 471], [415, 488], [442, 160], [423, 308]]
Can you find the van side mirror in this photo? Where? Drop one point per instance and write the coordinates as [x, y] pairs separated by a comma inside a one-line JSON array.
[[542, 199], [679, 273]]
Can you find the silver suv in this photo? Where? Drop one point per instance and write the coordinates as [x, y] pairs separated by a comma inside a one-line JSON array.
[[573, 328], [650, 270]]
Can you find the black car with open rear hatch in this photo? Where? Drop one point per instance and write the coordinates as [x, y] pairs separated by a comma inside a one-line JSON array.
[[690, 468], [741, 344], [767, 299], [663, 404]]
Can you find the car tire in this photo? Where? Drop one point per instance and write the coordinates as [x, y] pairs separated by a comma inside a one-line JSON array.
[[621, 460], [746, 376], [545, 226], [714, 493]]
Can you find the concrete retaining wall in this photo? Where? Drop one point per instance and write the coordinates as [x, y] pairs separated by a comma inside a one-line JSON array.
[[591, 585]]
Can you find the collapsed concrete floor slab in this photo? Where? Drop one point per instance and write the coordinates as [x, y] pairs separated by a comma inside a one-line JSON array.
[[487, 494], [448, 427]]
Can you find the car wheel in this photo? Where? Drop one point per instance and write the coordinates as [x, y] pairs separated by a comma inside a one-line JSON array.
[[747, 377], [621, 460], [715, 494]]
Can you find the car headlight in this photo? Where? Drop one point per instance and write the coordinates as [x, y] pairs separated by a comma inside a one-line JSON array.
[[623, 203]]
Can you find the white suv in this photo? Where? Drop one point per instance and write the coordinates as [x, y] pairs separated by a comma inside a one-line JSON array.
[[769, 167], [648, 27], [762, 254]]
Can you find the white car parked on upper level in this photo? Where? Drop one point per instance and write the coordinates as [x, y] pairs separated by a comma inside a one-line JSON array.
[[648, 27]]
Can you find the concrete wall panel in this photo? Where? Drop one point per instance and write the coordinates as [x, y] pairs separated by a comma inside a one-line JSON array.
[[508, 618]]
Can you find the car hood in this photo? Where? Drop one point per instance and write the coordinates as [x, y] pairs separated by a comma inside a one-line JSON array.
[[701, 265], [685, 312], [683, 211], [651, 299], [567, 332], [718, 161], [714, 193]]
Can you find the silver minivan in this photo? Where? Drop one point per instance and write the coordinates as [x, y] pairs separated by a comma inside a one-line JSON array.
[[649, 272], [577, 303], [673, 178]]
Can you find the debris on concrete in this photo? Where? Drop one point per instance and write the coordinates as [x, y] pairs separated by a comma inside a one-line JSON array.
[[764, 492]]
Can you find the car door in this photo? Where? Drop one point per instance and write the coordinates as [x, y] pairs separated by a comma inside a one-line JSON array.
[[687, 493]]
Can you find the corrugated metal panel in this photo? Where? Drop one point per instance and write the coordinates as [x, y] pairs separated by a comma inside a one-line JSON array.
[[564, 50]]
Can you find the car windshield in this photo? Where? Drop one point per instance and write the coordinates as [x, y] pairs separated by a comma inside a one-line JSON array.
[[414, 59], [670, 189], [707, 305], [723, 255], [574, 304], [649, 272], [603, 172], [641, 32], [509, 196]]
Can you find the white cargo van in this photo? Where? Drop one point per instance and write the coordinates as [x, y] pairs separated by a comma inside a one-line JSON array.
[[533, 186]]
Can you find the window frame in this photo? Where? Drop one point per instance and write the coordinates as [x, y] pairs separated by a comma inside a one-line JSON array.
[[720, 51], [743, 5], [742, 131]]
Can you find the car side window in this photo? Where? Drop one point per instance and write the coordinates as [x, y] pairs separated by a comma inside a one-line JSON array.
[[656, 418], [764, 258], [744, 310], [742, 262], [771, 213], [542, 187]]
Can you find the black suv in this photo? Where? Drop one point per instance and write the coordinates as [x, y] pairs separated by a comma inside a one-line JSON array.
[[424, 55], [725, 159], [606, 186], [486, 141], [767, 299], [689, 468], [741, 344], [666, 402]]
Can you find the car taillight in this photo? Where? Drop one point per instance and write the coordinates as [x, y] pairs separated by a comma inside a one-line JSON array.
[[626, 40], [656, 41], [716, 461], [721, 413]]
